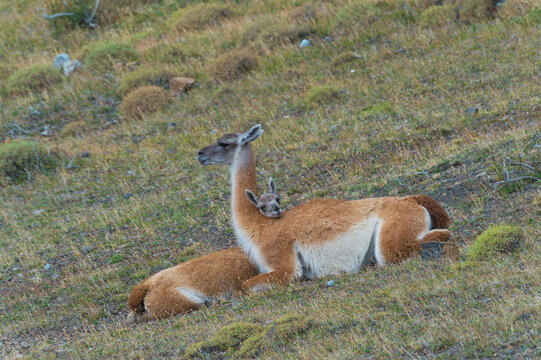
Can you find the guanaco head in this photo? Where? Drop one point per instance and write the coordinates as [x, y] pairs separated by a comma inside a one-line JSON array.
[[224, 149], [268, 203]]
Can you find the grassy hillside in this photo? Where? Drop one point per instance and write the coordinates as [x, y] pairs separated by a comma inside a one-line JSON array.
[[391, 98]]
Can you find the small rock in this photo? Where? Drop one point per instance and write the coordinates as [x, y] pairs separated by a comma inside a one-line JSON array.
[[60, 59], [330, 283], [37, 212], [55, 276], [179, 85], [352, 71], [25, 345], [87, 249], [127, 195], [84, 154], [70, 66], [47, 266], [328, 39], [171, 125], [131, 173], [305, 43], [472, 110], [45, 131]]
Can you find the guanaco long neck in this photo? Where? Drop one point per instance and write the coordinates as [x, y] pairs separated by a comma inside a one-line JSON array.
[[243, 178]]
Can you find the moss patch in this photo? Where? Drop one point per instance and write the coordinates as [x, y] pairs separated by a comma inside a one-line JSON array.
[[497, 239], [233, 65], [142, 101], [200, 16], [157, 76], [36, 77], [226, 340], [20, 158], [104, 55], [323, 94], [279, 333]]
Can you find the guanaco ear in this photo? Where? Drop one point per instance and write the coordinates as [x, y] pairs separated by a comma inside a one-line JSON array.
[[272, 186], [250, 195], [251, 135]]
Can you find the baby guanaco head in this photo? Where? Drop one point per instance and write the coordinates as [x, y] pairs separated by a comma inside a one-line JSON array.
[[268, 203]]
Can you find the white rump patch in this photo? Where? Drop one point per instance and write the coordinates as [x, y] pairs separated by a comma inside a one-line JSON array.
[[193, 295], [428, 222], [346, 253]]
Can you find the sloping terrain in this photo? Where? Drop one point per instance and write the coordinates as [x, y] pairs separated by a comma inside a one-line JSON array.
[[389, 98]]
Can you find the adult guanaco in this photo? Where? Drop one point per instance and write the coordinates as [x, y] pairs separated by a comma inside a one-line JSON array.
[[322, 236]]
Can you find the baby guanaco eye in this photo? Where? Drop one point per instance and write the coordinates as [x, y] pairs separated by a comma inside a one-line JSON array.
[[222, 144]]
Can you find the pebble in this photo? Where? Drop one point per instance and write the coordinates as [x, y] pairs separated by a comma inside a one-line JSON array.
[[131, 173], [60, 59], [127, 195], [171, 125], [55, 276], [84, 154], [329, 38], [47, 266], [87, 249], [70, 66], [305, 43], [330, 283], [37, 212]]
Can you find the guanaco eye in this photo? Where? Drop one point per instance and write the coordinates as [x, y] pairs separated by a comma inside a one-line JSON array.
[[224, 145], [278, 200]]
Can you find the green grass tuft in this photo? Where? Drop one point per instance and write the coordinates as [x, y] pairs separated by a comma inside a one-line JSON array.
[[232, 65], [200, 16], [36, 77], [497, 239], [322, 94], [436, 16], [357, 16], [103, 55], [156, 75], [75, 128], [20, 158]]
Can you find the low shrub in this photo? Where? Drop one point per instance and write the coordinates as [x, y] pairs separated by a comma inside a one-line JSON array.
[[142, 101], [200, 16], [497, 239], [157, 76], [473, 11], [103, 55], [20, 158], [515, 8], [233, 64], [35, 77], [437, 16]]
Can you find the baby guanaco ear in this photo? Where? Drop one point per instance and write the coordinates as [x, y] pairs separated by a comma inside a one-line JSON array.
[[272, 186], [250, 195], [250, 135]]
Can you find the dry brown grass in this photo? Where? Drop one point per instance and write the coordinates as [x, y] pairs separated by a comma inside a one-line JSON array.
[[142, 101], [75, 128], [514, 8], [200, 16], [233, 65]]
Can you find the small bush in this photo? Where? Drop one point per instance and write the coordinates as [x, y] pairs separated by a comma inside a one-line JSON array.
[[497, 239], [233, 64], [200, 16], [227, 339], [515, 8], [472, 11], [103, 55], [275, 32], [437, 16], [142, 101], [76, 128], [21, 157], [357, 16], [36, 77], [107, 13], [321, 94], [158, 76], [280, 332]]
